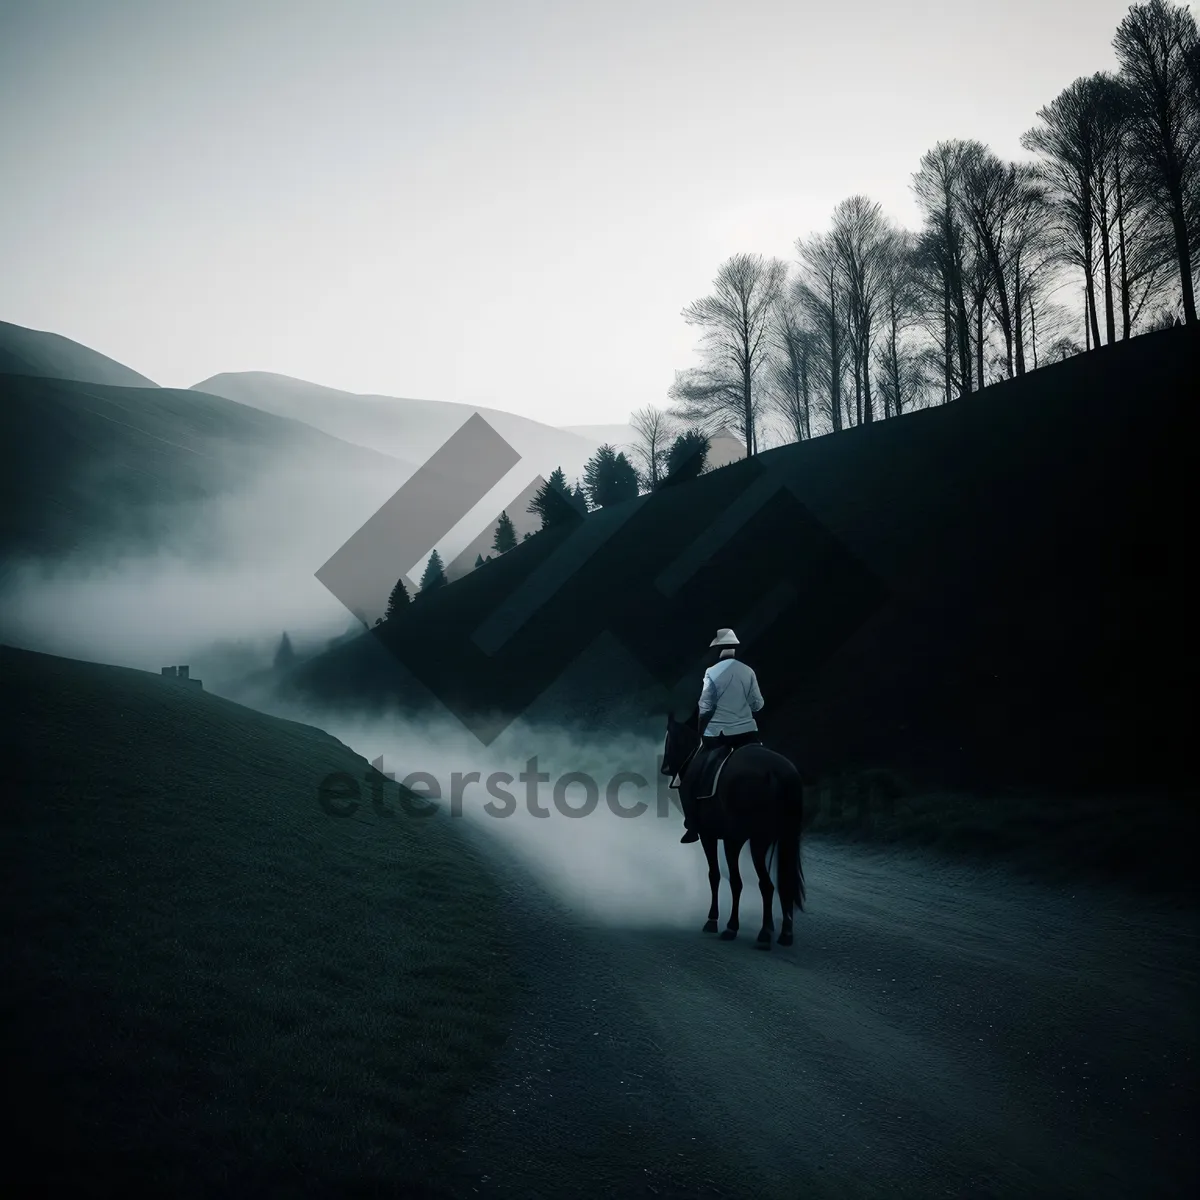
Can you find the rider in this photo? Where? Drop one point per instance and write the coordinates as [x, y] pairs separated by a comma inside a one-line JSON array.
[[728, 701]]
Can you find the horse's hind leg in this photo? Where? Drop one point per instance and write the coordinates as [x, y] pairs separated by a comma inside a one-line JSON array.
[[758, 852], [714, 881], [733, 851]]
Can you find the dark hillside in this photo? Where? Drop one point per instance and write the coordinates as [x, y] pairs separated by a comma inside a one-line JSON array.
[[32, 352], [985, 592], [87, 467], [212, 984]]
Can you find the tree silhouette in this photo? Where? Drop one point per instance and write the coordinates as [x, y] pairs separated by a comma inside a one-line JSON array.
[[506, 535], [1008, 258], [609, 477], [1156, 45], [399, 599], [686, 458], [555, 502], [652, 432], [735, 320], [285, 656], [434, 576], [479, 560]]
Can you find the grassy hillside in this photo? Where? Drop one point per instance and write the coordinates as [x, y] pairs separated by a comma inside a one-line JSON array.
[[90, 467], [32, 352], [987, 592], [211, 985]]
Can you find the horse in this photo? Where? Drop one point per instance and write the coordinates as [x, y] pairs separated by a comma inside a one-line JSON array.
[[759, 799]]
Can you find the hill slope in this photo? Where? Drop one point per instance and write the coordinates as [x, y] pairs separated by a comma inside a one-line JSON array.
[[988, 591], [408, 429], [32, 352], [211, 984], [91, 468]]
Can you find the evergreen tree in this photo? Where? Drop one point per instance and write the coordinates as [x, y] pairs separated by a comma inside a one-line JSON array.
[[625, 482], [526, 537], [397, 600], [580, 499], [610, 478], [434, 576], [506, 535], [686, 458], [479, 560], [554, 502], [284, 655]]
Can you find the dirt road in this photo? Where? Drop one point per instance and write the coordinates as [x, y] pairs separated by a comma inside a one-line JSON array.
[[935, 1031]]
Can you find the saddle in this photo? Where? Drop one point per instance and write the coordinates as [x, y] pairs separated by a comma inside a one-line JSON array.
[[710, 761]]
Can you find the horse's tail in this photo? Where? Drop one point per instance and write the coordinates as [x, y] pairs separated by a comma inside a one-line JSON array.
[[789, 873]]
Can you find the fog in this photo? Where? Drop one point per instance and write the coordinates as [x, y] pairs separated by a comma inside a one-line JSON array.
[[226, 575], [232, 573], [222, 612], [622, 870]]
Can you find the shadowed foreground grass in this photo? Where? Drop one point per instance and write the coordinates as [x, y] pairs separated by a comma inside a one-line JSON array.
[[212, 985]]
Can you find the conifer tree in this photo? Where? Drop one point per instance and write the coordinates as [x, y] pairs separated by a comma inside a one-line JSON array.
[[506, 535], [398, 600], [434, 576]]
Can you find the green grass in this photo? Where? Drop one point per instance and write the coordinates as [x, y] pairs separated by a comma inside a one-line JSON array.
[[210, 982]]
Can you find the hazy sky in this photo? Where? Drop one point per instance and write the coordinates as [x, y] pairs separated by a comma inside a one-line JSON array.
[[503, 203]]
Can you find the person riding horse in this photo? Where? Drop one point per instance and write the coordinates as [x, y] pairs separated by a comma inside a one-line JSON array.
[[728, 701]]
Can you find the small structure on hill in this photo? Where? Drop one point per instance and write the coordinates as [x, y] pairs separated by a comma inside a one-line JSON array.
[[181, 673]]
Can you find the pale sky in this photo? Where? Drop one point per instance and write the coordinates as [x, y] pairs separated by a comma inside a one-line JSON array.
[[500, 203]]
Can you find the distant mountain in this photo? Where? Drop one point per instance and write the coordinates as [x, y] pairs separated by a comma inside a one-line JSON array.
[[406, 428], [32, 352], [87, 468], [413, 430]]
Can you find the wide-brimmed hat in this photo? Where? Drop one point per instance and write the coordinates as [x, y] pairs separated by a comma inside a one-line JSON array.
[[725, 637]]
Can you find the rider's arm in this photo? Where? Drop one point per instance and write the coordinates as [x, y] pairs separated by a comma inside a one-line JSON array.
[[754, 695]]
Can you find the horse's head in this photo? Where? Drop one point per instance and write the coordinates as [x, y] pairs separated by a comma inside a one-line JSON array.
[[680, 741]]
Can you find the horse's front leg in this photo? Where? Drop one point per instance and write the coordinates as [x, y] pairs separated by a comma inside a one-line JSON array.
[[714, 881], [733, 852]]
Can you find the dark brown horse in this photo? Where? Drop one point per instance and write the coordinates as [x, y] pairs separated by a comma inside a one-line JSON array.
[[760, 800]]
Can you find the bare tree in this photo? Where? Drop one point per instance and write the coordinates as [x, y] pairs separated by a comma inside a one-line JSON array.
[[937, 184], [653, 433], [736, 321], [794, 370], [1005, 204], [901, 367], [860, 238], [1068, 141], [1156, 45], [821, 294]]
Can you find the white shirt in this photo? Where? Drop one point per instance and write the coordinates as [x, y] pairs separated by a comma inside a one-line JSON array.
[[731, 694]]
